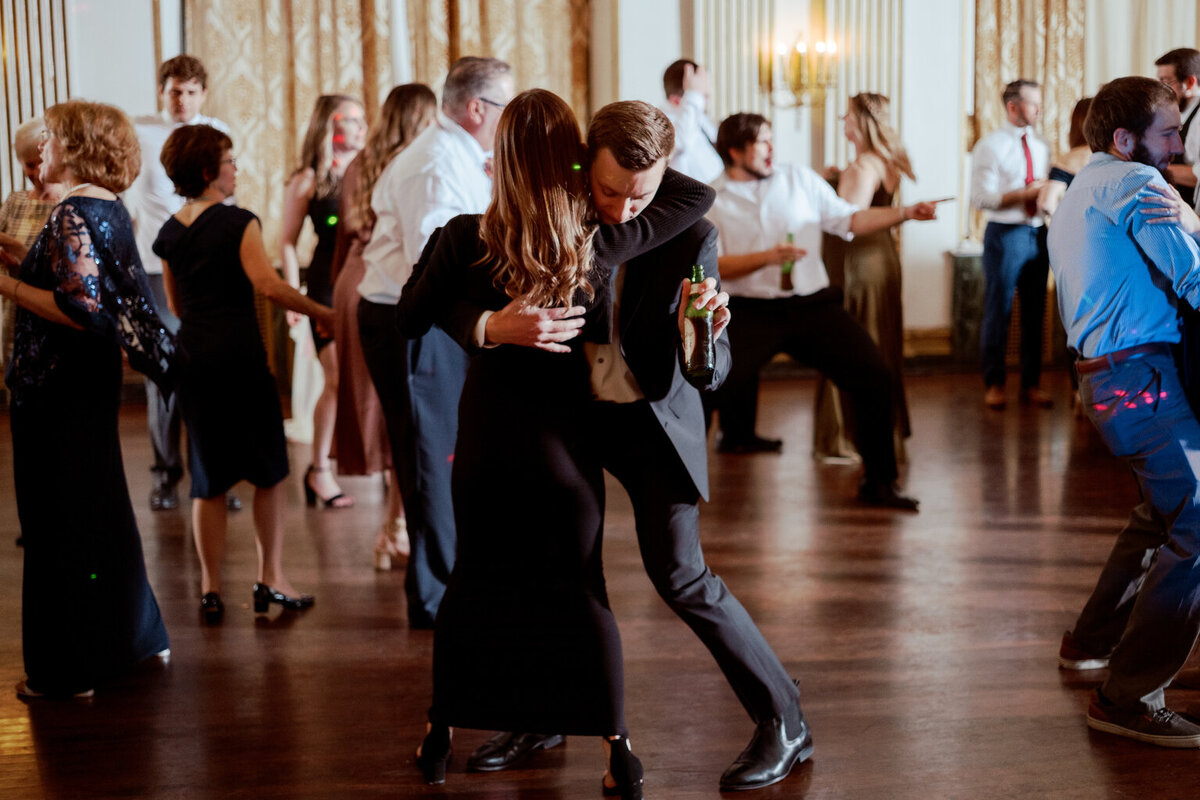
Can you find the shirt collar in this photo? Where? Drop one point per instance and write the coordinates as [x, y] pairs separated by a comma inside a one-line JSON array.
[[459, 133], [1018, 131]]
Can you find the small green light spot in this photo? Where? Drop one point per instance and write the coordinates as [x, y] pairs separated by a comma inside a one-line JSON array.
[[93, 576], [331, 220], [576, 167]]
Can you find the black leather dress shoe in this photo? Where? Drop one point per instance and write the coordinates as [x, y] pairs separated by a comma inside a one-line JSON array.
[[164, 497], [884, 495], [769, 757], [506, 749], [755, 444]]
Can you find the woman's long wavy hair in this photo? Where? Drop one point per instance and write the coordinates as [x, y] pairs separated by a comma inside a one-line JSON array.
[[871, 112], [408, 110], [317, 150], [534, 227]]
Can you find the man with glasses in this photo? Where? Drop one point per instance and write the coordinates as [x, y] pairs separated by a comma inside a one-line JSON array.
[[151, 200], [443, 173], [1180, 70]]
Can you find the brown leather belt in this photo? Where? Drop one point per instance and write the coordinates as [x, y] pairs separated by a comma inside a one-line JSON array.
[[1110, 360]]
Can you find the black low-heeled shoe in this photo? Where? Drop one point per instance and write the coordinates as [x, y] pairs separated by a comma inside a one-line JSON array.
[[625, 769], [212, 610], [264, 595], [434, 755]]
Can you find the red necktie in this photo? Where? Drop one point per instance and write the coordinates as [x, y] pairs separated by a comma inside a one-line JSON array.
[[1030, 205]]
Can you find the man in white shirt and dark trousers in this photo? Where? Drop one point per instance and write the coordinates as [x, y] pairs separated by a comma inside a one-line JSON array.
[[797, 312], [443, 173], [686, 85], [1120, 278], [1010, 166], [151, 200], [1180, 70]]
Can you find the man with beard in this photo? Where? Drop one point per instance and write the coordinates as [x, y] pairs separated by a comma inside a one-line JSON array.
[[759, 204], [1120, 277], [1180, 70], [1009, 168]]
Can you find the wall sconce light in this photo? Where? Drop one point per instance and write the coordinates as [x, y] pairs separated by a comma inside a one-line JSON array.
[[806, 71]]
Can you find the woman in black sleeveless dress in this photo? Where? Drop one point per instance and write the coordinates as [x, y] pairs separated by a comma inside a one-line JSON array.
[[336, 133], [214, 261], [88, 613], [525, 639]]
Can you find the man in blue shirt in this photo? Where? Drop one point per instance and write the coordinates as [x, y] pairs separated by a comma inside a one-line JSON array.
[[1120, 276]]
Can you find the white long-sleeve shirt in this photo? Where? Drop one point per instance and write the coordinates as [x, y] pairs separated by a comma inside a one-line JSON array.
[[437, 177], [752, 216], [998, 167], [151, 199], [695, 134]]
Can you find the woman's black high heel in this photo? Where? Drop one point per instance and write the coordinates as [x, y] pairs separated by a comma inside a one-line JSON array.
[[212, 610], [339, 500], [434, 754], [625, 769], [264, 595]]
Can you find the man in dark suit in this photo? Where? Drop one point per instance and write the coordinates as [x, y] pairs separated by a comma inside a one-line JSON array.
[[650, 433]]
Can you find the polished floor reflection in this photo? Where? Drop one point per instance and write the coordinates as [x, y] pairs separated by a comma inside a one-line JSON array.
[[925, 644]]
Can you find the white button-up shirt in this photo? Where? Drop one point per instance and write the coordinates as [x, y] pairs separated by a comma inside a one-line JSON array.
[[999, 167], [437, 177], [757, 215], [695, 136], [151, 199]]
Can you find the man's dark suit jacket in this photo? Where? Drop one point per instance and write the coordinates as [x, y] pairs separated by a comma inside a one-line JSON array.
[[650, 343]]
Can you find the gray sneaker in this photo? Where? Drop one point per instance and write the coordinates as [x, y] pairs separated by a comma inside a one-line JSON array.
[[1163, 727]]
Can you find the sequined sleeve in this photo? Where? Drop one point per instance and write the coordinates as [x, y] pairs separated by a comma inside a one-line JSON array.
[[75, 265]]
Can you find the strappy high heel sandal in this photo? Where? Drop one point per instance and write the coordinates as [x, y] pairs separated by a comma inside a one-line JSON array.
[[339, 500], [392, 546], [624, 769]]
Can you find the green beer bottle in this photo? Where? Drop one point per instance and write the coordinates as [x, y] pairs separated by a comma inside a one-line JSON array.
[[699, 352], [785, 270]]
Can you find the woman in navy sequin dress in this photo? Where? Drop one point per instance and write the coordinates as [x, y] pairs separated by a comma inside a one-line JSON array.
[[337, 131], [88, 613]]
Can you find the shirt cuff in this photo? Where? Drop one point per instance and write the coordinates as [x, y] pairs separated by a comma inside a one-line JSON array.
[[481, 331]]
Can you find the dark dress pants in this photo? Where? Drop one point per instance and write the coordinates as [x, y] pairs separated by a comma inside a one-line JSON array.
[[636, 450], [1014, 258], [419, 382], [162, 414], [815, 330]]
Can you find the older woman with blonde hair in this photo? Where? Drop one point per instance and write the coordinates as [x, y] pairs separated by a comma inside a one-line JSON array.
[[88, 613], [24, 214], [871, 269], [360, 433], [525, 639]]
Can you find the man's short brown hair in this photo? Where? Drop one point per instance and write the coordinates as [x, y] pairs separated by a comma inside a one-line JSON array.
[[737, 131], [182, 68], [673, 77], [1128, 103], [1185, 60], [636, 133]]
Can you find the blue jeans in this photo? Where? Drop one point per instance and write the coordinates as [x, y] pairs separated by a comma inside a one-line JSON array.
[[1146, 606], [1014, 258]]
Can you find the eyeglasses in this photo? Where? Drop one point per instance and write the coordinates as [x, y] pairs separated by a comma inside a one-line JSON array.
[[493, 103], [45, 135], [230, 160]]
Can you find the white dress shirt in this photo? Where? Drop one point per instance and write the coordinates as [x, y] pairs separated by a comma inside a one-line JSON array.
[[151, 199], [612, 379], [757, 215], [437, 177], [695, 136], [999, 167]]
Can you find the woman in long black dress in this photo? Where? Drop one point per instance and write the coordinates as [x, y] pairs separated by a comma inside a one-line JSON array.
[[525, 639], [88, 613], [214, 260], [337, 131]]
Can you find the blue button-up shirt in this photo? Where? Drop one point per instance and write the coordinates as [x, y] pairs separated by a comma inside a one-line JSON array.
[[1118, 276]]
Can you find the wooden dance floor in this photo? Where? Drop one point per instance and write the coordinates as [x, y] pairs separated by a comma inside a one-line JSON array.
[[925, 644]]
